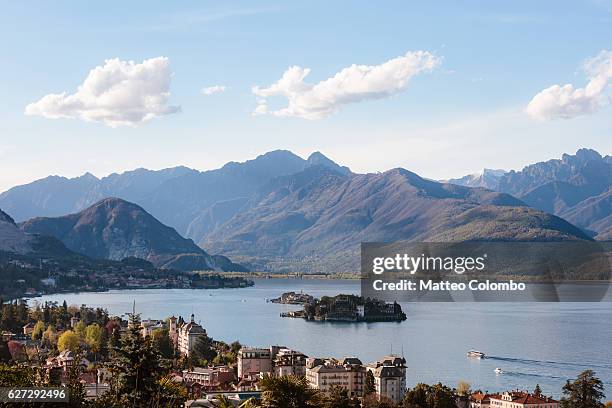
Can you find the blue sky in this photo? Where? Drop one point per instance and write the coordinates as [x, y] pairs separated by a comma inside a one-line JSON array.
[[466, 113]]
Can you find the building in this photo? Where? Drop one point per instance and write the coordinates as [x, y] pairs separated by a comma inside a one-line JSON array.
[[348, 373], [64, 360], [289, 362], [252, 361], [389, 377], [149, 326], [217, 378], [188, 335], [173, 331], [480, 400], [521, 399]]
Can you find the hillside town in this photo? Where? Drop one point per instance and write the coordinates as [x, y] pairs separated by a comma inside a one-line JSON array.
[[93, 354]]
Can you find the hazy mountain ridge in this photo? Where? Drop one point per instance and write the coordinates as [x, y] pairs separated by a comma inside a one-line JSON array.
[[320, 215], [115, 229], [279, 207], [188, 200], [566, 187], [487, 178]]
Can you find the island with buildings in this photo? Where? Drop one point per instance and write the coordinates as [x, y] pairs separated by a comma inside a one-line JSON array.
[[344, 308]]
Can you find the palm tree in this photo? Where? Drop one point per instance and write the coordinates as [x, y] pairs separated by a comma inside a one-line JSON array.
[[288, 392], [221, 401], [250, 403]]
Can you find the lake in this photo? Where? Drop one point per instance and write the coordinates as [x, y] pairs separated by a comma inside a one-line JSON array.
[[533, 343]]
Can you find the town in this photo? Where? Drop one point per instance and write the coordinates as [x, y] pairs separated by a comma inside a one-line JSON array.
[[105, 361]]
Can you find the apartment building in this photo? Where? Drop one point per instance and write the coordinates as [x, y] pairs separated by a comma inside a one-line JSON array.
[[348, 373], [389, 377]]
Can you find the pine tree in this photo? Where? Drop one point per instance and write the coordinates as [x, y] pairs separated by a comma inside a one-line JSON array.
[[369, 384], [136, 366], [585, 392], [537, 391]]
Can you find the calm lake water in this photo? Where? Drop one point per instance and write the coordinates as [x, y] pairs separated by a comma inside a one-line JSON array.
[[543, 343]]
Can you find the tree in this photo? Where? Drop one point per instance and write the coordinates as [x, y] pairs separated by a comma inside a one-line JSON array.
[[171, 394], [37, 332], [17, 376], [288, 392], [77, 389], [338, 398], [135, 367], [372, 401], [163, 344], [537, 390], [369, 387], [203, 348], [93, 337], [463, 388], [5, 354], [50, 335], [68, 340], [416, 397], [584, 392], [221, 401], [80, 328]]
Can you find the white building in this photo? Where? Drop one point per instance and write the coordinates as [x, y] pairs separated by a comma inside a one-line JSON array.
[[188, 335], [389, 377], [289, 362], [348, 373], [521, 399]]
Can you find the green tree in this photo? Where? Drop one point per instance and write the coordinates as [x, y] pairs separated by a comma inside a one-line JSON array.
[[171, 394], [163, 344], [68, 340], [77, 389], [417, 397], [372, 401], [135, 366], [440, 396], [17, 376], [221, 401], [584, 392], [93, 337], [338, 398], [37, 332], [288, 392], [50, 336], [537, 390], [369, 387], [81, 329], [203, 349]]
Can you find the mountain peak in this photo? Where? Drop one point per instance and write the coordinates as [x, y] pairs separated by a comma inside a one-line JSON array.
[[587, 154], [319, 159]]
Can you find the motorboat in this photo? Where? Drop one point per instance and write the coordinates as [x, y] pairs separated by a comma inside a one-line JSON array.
[[475, 354], [498, 370]]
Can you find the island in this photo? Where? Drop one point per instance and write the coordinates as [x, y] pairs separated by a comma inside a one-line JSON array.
[[292, 298], [346, 308]]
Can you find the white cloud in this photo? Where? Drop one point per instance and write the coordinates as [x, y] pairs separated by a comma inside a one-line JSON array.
[[352, 84], [211, 90], [118, 93], [566, 102]]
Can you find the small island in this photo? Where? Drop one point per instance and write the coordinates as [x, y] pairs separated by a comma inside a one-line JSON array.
[[292, 298], [344, 308]]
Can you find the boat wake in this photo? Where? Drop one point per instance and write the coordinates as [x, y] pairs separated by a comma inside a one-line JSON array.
[[550, 363]]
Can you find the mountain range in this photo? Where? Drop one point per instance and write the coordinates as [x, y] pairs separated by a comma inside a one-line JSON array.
[[116, 229], [281, 212], [576, 187]]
